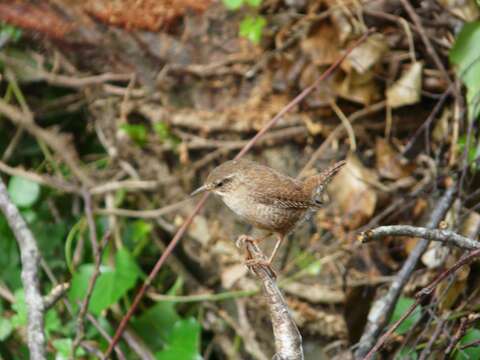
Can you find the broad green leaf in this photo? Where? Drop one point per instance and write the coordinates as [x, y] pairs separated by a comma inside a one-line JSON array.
[[254, 3], [111, 285], [20, 317], [136, 132], [23, 192], [183, 342], [52, 322], [5, 328], [252, 27], [156, 323], [471, 352], [403, 304], [465, 54], [233, 4]]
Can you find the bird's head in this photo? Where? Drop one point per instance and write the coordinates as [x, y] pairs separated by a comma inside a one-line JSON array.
[[223, 179]]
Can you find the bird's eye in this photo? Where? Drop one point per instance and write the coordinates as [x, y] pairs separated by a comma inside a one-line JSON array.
[[222, 182]]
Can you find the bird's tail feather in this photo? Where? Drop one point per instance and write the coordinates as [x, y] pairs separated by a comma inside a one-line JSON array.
[[318, 182]]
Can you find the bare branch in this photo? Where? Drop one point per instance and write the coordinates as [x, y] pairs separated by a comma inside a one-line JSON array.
[[382, 309], [55, 295], [57, 143], [445, 236], [30, 256], [288, 341], [97, 255]]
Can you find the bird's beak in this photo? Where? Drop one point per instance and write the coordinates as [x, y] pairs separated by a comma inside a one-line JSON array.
[[200, 190]]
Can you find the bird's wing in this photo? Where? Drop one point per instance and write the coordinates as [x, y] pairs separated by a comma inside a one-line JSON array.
[[277, 190]]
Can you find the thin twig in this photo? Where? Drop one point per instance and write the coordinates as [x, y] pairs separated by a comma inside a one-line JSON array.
[[428, 44], [420, 296], [445, 236], [188, 221], [97, 250], [45, 180], [30, 257], [382, 309], [55, 294], [56, 142]]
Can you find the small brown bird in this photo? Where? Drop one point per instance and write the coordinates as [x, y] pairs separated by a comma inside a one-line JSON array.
[[266, 199]]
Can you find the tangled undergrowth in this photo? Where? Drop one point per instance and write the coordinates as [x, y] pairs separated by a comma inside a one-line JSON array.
[[108, 122]]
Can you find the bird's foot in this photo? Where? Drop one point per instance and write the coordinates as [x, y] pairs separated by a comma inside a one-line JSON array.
[[243, 239], [261, 263]]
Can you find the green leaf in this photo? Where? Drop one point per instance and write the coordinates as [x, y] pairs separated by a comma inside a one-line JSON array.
[[233, 4], [164, 133], [23, 192], [9, 33], [9, 256], [136, 132], [52, 322], [184, 342], [465, 53], [139, 233], [403, 304], [252, 28], [5, 328], [406, 353], [471, 352], [64, 349], [111, 285], [20, 317], [156, 323], [254, 3]]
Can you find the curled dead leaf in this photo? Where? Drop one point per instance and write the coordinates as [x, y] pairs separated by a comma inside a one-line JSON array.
[[350, 189], [407, 89], [389, 162]]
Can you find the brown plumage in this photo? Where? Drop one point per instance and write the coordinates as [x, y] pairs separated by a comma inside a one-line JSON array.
[[265, 198]]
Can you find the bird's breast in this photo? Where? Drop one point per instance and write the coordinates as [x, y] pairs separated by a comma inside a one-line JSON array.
[[264, 216]]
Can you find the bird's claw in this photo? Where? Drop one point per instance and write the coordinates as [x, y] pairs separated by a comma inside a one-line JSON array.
[[253, 263], [242, 239]]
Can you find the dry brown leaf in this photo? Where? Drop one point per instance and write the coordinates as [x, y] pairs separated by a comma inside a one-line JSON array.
[[465, 9], [322, 45], [407, 89], [389, 164], [350, 189], [360, 88], [365, 56]]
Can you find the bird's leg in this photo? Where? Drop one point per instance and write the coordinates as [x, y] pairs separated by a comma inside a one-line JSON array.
[[254, 256], [277, 246]]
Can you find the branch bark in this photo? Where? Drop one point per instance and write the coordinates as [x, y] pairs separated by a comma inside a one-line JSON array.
[[445, 236], [30, 257], [288, 341]]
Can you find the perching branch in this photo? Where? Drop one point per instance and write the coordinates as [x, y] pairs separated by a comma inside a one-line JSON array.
[[30, 257], [382, 309], [288, 341], [445, 236]]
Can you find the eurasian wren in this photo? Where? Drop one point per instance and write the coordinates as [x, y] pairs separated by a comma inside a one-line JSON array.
[[266, 199]]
